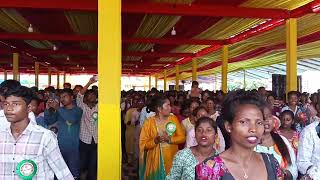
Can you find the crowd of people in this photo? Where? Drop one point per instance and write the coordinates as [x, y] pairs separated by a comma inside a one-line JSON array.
[[52, 133], [48, 134], [212, 135]]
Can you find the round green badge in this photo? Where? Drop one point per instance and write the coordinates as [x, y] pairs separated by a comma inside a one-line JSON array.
[[95, 116], [171, 128], [26, 169]]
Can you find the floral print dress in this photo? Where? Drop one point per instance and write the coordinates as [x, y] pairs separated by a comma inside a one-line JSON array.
[[214, 168]]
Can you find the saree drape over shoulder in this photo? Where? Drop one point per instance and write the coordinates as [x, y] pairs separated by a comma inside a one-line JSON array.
[[155, 160]]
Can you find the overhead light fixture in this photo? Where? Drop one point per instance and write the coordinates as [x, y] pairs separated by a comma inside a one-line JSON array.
[[141, 60], [83, 68], [179, 59], [152, 49], [315, 8], [46, 62], [173, 32], [30, 28], [136, 65], [55, 47], [68, 58], [78, 65]]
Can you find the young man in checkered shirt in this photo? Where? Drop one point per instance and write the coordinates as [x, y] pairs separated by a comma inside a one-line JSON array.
[[28, 151], [87, 100]]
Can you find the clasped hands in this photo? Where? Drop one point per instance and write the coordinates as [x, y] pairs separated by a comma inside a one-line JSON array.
[[162, 139]]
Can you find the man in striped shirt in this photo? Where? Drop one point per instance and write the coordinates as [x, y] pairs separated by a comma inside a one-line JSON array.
[[28, 151]]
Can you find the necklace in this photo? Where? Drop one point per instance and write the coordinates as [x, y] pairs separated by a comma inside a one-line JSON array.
[[245, 176]]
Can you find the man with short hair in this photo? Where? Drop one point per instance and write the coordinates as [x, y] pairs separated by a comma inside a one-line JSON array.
[[87, 100], [28, 151], [10, 85], [68, 118], [262, 92], [67, 86]]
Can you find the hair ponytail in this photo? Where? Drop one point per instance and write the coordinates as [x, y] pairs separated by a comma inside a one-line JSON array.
[[282, 147]]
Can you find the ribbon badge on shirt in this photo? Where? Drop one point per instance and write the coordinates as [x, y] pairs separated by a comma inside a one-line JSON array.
[[69, 124], [95, 116], [26, 169], [171, 128]]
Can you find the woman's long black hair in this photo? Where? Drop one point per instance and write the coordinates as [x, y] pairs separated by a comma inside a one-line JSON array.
[[283, 148], [284, 151]]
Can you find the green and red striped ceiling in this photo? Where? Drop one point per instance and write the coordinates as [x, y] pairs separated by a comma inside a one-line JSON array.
[[253, 29]]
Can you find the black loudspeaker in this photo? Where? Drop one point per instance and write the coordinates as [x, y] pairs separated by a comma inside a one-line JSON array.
[[279, 84], [171, 87]]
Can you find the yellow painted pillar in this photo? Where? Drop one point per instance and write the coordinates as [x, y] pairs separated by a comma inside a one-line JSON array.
[[15, 65], [58, 80], [165, 80], [194, 69], [156, 81], [64, 77], [224, 69], [36, 74], [177, 77], [49, 75], [149, 82], [5, 74], [109, 69], [291, 43]]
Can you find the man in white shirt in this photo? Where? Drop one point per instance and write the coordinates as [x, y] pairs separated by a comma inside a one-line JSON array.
[[308, 158], [28, 151]]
